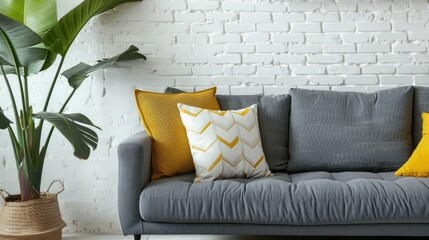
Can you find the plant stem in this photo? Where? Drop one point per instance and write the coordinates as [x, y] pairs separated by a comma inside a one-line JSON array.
[[24, 106], [48, 98], [12, 97], [27, 97]]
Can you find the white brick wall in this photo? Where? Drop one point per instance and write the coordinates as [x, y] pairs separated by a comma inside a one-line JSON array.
[[242, 46]]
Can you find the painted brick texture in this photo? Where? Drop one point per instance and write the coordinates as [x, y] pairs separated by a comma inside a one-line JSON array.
[[243, 47]]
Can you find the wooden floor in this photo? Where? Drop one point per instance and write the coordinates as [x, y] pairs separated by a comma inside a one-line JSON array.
[[206, 237]]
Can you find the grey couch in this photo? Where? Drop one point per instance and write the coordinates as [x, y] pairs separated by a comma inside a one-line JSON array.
[[333, 156]]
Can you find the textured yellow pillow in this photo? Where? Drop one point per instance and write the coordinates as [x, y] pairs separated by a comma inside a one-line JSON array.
[[171, 153], [418, 164]]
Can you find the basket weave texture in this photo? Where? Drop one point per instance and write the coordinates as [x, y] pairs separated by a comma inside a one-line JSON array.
[[38, 219]]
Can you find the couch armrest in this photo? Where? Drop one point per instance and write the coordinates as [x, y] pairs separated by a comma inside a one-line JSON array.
[[134, 173]]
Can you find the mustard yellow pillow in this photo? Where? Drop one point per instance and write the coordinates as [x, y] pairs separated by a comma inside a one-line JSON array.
[[418, 164], [171, 154]]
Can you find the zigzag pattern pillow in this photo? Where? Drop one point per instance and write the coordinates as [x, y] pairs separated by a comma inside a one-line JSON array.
[[224, 144]]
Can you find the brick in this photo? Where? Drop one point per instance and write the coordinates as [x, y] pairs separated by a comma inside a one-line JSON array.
[[257, 58], [256, 37], [319, 88], [373, 26], [373, 48], [344, 69], [393, 36], [323, 17], [239, 27], [270, 7], [288, 37], [421, 80], [394, 58], [208, 48], [392, 16], [172, 70], [357, 16], [409, 5], [409, 47], [207, 70], [288, 59], [237, 6], [247, 90], [288, 17], [339, 48], [170, 5], [420, 58], [225, 59], [226, 38], [408, 26], [419, 16], [326, 80], [356, 37], [349, 89], [303, 6], [308, 69], [305, 48], [339, 27], [272, 27], [378, 69], [360, 58], [227, 80], [243, 70], [341, 6], [221, 16], [203, 5], [419, 35], [206, 28], [192, 38], [289, 80], [271, 48], [413, 69], [190, 17], [361, 80], [272, 70], [371, 89], [323, 38], [306, 27], [374, 6], [255, 17], [396, 80], [325, 59], [193, 81], [240, 48]]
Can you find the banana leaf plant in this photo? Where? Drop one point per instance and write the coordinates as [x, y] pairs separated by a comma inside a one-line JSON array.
[[31, 39]]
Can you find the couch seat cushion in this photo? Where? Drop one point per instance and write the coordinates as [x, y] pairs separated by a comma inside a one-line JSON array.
[[312, 198]]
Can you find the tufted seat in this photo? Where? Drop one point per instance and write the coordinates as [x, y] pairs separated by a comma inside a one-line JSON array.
[[310, 198]]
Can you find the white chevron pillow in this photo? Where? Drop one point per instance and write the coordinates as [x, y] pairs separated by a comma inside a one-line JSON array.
[[224, 144]]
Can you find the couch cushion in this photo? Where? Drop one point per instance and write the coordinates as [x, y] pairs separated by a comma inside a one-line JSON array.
[[348, 131], [273, 118], [421, 104], [312, 198]]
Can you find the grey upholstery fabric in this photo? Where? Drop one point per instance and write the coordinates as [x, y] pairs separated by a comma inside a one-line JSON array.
[[273, 117], [134, 173], [348, 131], [312, 198], [421, 104], [393, 230]]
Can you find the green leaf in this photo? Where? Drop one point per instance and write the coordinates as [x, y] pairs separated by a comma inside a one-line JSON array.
[[69, 26], [38, 15], [77, 74], [73, 129], [4, 121], [17, 43]]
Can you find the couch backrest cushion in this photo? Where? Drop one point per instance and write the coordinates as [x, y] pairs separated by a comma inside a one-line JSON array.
[[273, 117], [348, 131], [421, 104]]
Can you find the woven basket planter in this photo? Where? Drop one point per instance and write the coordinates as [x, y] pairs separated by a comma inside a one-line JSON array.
[[38, 219]]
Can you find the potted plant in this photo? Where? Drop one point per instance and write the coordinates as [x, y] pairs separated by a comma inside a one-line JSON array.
[[31, 39]]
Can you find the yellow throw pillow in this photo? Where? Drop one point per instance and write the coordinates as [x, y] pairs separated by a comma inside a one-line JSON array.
[[224, 144], [418, 164], [171, 153]]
